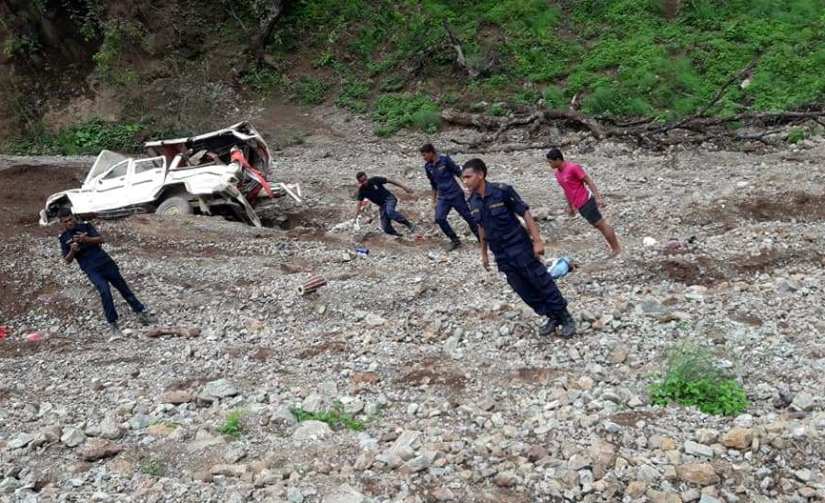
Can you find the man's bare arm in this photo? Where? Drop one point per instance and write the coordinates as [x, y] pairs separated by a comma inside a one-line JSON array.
[[595, 190], [482, 240]]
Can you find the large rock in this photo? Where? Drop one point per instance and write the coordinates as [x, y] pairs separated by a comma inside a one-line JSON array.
[[344, 494], [313, 403], [20, 440], [697, 473], [110, 429], [220, 389], [696, 449], [312, 430], [99, 448], [803, 401], [738, 438], [176, 397], [72, 437], [603, 455]]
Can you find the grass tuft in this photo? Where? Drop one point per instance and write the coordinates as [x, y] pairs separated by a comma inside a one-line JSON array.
[[692, 377]]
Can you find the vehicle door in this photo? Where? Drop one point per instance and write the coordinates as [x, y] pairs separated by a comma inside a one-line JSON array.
[[109, 190], [146, 178]]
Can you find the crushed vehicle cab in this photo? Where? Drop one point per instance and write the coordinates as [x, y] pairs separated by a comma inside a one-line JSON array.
[[224, 172]]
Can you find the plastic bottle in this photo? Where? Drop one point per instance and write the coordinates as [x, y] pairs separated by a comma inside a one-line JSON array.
[[560, 267]]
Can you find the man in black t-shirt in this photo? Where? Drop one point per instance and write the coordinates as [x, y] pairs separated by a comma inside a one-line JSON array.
[[81, 242], [373, 190]]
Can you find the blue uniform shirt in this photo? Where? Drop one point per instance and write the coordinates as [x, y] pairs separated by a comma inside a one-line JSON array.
[[496, 213], [441, 174], [89, 257]]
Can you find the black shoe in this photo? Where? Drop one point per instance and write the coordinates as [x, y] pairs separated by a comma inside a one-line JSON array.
[[549, 327], [568, 325], [454, 245]]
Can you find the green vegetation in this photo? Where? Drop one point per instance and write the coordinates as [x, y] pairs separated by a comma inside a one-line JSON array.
[[232, 426], [119, 38], [153, 467], [310, 91], [396, 111], [796, 135], [264, 80], [336, 418], [692, 377], [85, 138], [623, 58]]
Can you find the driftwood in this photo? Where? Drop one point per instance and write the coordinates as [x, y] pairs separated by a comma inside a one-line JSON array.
[[177, 331], [693, 130]]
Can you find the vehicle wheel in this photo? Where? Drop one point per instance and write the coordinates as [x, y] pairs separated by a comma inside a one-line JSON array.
[[174, 205]]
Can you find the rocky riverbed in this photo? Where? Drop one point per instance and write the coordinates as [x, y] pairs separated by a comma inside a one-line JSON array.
[[437, 360]]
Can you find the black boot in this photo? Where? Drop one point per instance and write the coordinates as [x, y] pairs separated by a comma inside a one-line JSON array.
[[550, 326], [454, 244], [568, 325]]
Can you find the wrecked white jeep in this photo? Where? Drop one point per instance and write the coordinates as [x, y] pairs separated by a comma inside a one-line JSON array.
[[219, 173]]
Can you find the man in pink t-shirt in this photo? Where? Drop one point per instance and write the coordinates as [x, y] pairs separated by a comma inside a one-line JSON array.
[[582, 196]]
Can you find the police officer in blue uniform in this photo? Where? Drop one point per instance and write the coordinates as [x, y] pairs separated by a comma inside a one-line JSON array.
[[447, 194], [494, 207], [81, 242]]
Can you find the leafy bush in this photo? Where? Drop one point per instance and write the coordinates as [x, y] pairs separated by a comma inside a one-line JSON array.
[[153, 467], [310, 91], [692, 377], [395, 112], [263, 80], [336, 418], [119, 38], [353, 96], [232, 427], [86, 138], [796, 135]]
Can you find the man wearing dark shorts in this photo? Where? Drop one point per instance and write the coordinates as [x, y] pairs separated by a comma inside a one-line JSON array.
[[495, 208], [447, 193], [582, 196], [373, 189], [81, 242]]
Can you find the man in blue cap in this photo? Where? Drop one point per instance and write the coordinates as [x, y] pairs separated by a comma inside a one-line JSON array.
[[447, 193], [495, 207]]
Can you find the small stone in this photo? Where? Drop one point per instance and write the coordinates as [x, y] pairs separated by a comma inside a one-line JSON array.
[[706, 436], [443, 494], [584, 383], [804, 475], [803, 401], [416, 464], [20, 440], [706, 498], [696, 449], [99, 448], [110, 429], [72, 437], [139, 422], [294, 495], [220, 388], [312, 430], [373, 320], [505, 479], [176, 397], [617, 355], [697, 473], [738, 438], [313, 403], [344, 494], [636, 489], [234, 453]]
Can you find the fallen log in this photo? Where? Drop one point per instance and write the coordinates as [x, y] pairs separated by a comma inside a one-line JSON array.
[[176, 331]]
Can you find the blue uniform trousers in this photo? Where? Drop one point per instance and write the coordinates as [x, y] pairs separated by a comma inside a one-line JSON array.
[[101, 277], [528, 276], [389, 213], [442, 209]]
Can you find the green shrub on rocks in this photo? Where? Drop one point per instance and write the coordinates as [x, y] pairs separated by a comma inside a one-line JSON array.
[[693, 377]]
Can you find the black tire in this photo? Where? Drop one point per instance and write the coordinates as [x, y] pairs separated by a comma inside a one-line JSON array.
[[174, 205]]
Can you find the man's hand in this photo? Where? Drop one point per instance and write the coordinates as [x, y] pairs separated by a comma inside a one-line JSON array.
[[74, 246], [485, 261], [538, 248], [600, 201], [571, 211], [80, 238]]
